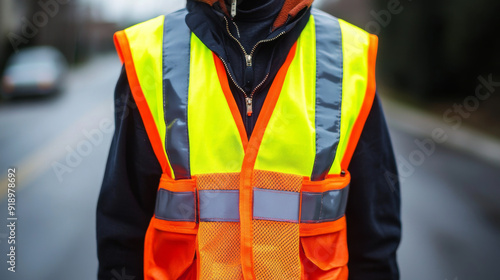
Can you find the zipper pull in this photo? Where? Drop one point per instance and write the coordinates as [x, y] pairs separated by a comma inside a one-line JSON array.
[[233, 8], [248, 101], [248, 59]]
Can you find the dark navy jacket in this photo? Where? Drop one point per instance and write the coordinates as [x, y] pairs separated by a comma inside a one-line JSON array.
[[128, 193]]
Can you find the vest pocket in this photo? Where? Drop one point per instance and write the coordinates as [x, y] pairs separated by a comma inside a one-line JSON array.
[[323, 241], [170, 243]]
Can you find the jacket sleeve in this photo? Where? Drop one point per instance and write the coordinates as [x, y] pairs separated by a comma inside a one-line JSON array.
[[373, 208], [128, 193]]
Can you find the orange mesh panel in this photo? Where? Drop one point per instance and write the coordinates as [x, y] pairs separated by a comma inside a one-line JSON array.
[[277, 181], [219, 242], [219, 246], [276, 250], [276, 244], [222, 181]]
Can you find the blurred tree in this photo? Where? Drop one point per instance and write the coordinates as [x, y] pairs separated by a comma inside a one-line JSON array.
[[431, 49], [10, 11], [43, 22], [438, 49]]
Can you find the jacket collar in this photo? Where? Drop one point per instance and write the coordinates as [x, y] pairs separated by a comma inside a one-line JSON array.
[[289, 10]]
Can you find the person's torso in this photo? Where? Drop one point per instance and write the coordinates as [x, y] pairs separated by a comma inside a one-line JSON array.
[[269, 206]]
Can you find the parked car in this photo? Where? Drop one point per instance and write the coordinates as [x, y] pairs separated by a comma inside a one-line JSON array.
[[34, 71]]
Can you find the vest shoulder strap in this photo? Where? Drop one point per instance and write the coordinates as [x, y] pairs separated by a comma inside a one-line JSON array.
[[150, 51], [359, 51], [140, 49], [136, 37]]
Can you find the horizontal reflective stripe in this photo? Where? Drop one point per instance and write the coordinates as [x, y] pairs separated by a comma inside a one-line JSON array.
[[219, 205], [323, 207], [175, 206], [276, 205], [271, 205]]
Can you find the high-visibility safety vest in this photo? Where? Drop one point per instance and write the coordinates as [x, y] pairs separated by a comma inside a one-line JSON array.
[[268, 207]]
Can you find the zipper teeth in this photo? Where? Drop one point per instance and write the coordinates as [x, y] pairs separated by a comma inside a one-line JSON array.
[[234, 38], [259, 85], [237, 29], [256, 45], [245, 53], [266, 40], [231, 76]]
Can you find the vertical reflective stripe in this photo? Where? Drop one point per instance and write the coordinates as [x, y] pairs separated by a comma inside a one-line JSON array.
[[176, 54], [289, 141], [328, 91], [175, 206], [355, 44], [214, 141], [219, 205], [145, 44], [323, 207], [275, 205]]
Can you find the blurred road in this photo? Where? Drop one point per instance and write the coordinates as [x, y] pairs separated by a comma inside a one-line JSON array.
[[450, 209], [55, 209], [59, 147]]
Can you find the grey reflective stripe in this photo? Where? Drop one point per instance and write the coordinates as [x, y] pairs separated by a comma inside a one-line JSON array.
[[275, 205], [271, 205], [175, 206], [329, 71], [176, 57], [323, 207], [219, 205]]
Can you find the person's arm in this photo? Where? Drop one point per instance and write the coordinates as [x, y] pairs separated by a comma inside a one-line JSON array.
[[373, 208], [128, 193]]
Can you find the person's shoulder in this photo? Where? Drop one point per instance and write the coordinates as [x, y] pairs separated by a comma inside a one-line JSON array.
[[180, 14], [322, 17], [322, 14]]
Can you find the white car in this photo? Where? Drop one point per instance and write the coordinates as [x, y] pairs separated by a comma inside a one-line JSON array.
[[34, 71]]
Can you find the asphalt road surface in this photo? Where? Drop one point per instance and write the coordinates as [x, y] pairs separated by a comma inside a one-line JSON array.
[[59, 146]]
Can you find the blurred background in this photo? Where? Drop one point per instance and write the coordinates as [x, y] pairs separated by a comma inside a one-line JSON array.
[[438, 76]]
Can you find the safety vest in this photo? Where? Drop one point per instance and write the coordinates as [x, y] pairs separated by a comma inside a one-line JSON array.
[[268, 207]]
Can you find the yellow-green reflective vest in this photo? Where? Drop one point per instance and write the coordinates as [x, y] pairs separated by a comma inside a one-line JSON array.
[[268, 207]]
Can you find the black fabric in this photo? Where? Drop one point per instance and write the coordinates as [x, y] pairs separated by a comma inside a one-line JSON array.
[[127, 199], [128, 193], [373, 206]]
